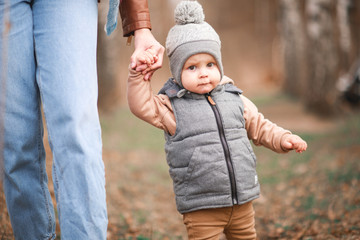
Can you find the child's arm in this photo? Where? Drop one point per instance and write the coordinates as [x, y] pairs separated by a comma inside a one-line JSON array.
[[264, 132], [154, 109]]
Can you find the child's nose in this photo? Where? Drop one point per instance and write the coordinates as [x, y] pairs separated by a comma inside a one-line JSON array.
[[203, 72]]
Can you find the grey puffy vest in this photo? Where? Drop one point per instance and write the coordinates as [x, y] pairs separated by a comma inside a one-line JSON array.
[[211, 160]]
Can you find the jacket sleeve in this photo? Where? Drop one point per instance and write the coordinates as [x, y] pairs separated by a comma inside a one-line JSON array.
[[134, 15], [154, 109], [260, 130]]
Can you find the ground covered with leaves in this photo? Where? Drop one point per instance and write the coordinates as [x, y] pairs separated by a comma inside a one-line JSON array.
[[313, 195]]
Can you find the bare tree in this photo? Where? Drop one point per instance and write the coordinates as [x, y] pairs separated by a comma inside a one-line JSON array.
[[320, 41], [322, 56], [293, 39], [345, 44], [108, 52]]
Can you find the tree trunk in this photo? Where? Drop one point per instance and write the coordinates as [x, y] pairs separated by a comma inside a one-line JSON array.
[[292, 32], [322, 56], [107, 59], [343, 20]]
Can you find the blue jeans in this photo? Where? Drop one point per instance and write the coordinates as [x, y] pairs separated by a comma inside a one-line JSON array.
[[51, 60]]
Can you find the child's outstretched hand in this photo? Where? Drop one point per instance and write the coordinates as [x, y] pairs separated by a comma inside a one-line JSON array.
[[144, 61], [293, 142]]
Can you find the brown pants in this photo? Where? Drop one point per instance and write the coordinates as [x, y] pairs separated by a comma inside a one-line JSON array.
[[237, 222]]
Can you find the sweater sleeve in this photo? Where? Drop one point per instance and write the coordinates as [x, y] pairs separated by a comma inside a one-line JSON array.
[[260, 130], [134, 15], [154, 109]]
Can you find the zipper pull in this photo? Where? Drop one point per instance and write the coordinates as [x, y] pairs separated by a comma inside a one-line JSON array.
[[210, 100]]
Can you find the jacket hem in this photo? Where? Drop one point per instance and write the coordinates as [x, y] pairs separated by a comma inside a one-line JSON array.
[[218, 206]]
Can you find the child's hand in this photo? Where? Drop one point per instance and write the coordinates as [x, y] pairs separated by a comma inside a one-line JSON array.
[[144, 40], [144, 60], [290, 142]]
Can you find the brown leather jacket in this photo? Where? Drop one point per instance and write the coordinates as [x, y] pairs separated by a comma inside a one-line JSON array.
[[134, 15]]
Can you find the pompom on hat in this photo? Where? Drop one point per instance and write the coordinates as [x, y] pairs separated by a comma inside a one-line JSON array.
[[191, 35]]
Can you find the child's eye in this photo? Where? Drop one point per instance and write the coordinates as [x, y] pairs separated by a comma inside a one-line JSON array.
[[191, 68], [211, 64]]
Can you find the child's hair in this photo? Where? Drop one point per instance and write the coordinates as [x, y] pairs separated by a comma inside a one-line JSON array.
[[191, 35]]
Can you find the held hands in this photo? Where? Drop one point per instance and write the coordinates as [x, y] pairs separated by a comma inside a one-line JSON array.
[[293, 142], [148, 54], [145, 60]]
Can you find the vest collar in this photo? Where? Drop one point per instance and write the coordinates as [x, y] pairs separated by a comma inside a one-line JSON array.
[[172, 89]]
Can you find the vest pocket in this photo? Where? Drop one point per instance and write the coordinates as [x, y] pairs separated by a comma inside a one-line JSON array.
[[250, 149], [207, 174], [178, 175], [244, 162]]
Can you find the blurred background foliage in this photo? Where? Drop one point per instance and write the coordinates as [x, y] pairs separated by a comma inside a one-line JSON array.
[[310, 49]]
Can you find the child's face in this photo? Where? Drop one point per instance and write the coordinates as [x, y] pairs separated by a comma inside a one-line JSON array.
[[200, 73]]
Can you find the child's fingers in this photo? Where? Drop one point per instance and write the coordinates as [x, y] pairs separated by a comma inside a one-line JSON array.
[[141, 67], [157, 64], [287, 145], [149, 58], [148, 75], [300, 146], [140, 60], [145, 57], [146, 62], [296, 145], [151, 52]]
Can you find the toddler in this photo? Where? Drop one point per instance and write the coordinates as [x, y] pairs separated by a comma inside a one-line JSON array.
[[207, 123]]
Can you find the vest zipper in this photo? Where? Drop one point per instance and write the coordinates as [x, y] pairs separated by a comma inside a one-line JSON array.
[[225, 147]]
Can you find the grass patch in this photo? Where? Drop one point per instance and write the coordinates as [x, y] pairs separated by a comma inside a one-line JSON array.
[[348, 133], [309, 202], [266, 100], [123, 131], [345, 174]]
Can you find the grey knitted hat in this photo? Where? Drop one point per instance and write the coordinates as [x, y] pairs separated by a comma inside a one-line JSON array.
[[191, 35]]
